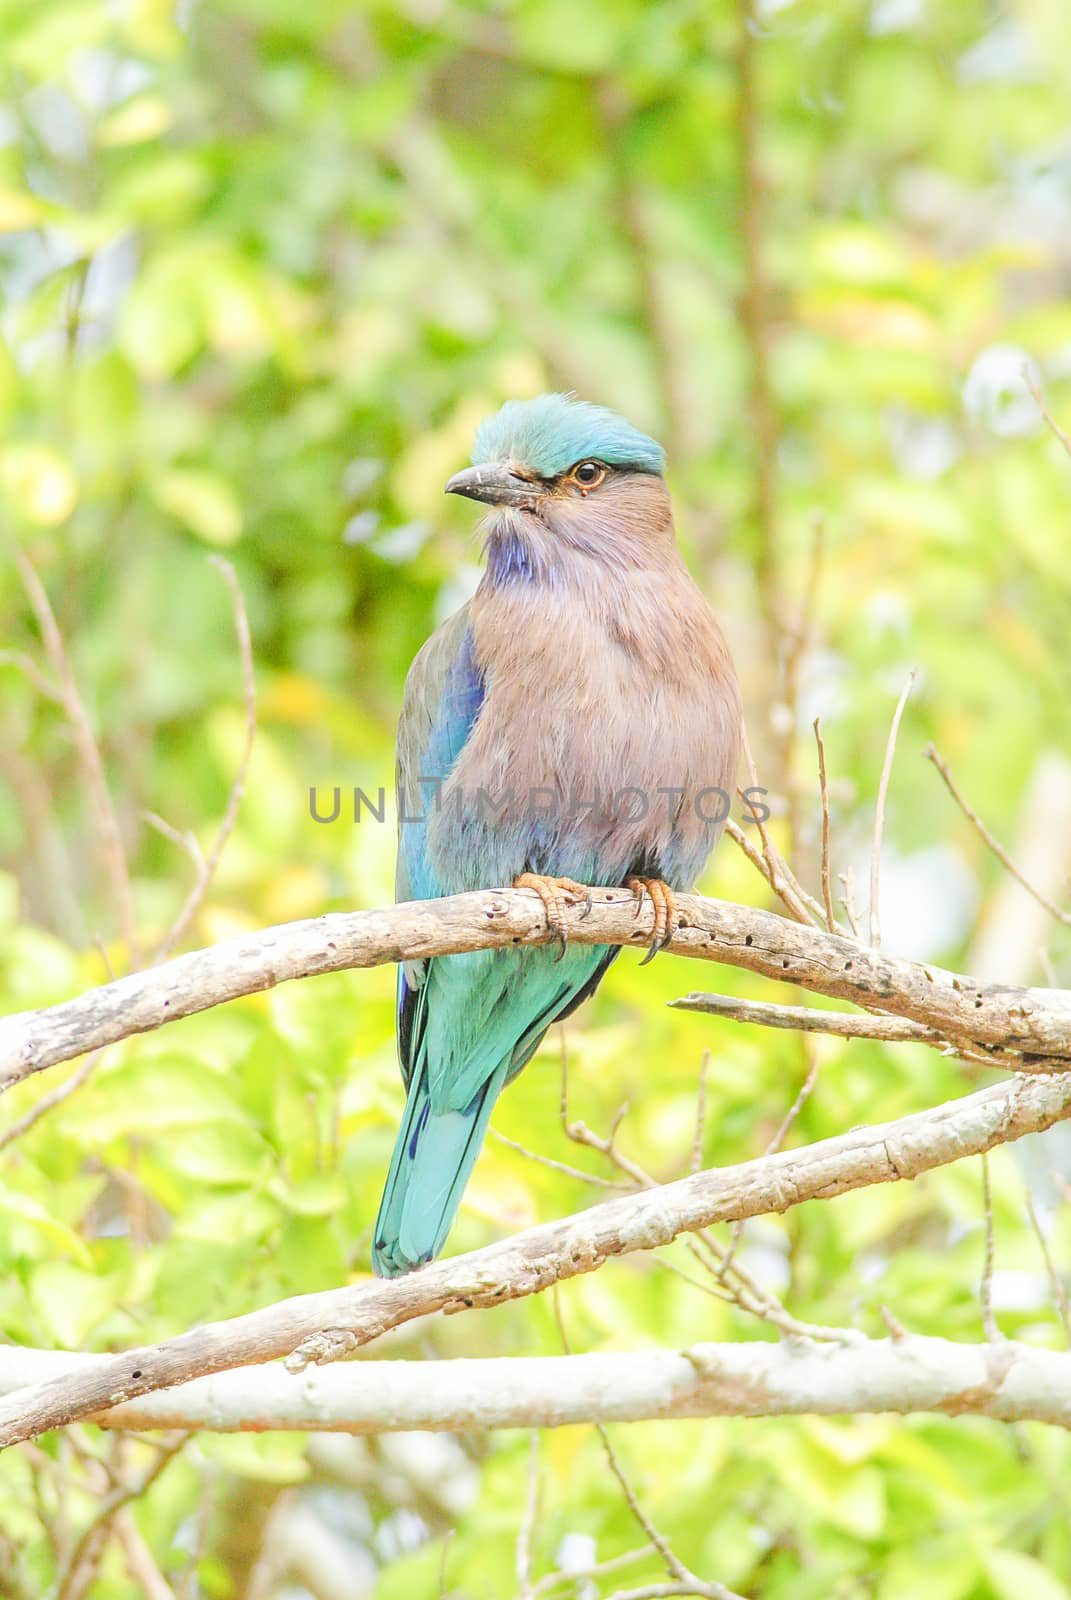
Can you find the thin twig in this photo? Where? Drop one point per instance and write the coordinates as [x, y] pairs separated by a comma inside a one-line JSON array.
[[528, 1522], [89, 1547], [30, 670], [776, 870], [847, 883], [49, 1102], [767, 868], [673, 1563], [186, 841], [1059, 1292], [555, 1166], [709, 1590], [656, 1540], [575, 1576], [993, 844], [740, 1288], [443, 1558], [827, 895], [140, 1563], [798, 643], [806, 1089], [804, 1094], [89, 756], [208, 1470], [204, 878], [1058, 432], [700, 1114], [206, 868], [879, 810], [989, 1322]]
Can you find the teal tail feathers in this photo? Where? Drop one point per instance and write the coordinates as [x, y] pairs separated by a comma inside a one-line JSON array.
[[434, 1154]]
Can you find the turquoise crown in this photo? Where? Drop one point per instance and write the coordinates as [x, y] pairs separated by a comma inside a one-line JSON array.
[[554, 431]]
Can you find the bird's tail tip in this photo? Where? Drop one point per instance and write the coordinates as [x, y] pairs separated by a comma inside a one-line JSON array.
[[433, 1157], [389, 1260]]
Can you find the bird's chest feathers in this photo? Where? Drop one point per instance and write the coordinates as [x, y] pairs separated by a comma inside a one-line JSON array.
[[590, 692], [577, 690]]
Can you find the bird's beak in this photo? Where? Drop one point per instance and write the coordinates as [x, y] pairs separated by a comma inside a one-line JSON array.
[[495, 483]]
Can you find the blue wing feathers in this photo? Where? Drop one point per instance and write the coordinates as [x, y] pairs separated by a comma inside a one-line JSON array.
[[467, 1024]]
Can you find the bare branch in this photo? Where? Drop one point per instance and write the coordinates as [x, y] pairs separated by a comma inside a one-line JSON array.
[[321, 1327], [904, 1373], [1029, 1027], [844, 1024]]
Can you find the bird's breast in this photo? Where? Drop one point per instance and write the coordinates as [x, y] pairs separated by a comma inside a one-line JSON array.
[[608, 731]]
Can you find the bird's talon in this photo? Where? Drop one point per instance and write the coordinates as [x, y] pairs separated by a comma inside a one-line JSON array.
[[665, 912], [553, 892]]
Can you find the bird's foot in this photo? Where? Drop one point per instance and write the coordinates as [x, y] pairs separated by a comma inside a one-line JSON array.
[[554, 892], [665, 911]]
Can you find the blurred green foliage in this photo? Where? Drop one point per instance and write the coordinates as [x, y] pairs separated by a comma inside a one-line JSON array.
[[264, 267]]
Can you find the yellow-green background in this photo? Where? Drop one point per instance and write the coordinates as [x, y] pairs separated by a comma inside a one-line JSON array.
[[265, 264]]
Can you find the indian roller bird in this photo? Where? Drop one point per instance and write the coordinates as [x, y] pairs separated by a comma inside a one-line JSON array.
[[570, 725]]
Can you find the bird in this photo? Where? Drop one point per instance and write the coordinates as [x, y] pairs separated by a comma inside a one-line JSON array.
[[587, 667]]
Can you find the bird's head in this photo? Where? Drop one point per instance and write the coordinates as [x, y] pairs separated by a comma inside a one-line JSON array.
[[557, 465]]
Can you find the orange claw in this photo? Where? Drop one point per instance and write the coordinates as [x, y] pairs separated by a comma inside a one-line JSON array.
[[553, 892], [665, 912]]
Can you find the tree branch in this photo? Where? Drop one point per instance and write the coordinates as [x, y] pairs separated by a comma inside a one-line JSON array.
[[1033, 1025], [844, 1024], [322, 1327], [1009, 1381]]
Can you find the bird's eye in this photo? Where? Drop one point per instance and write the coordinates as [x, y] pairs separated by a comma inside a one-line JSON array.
[[588, 474]]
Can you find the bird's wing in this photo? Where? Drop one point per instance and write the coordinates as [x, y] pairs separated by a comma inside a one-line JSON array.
[[443, 695]]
